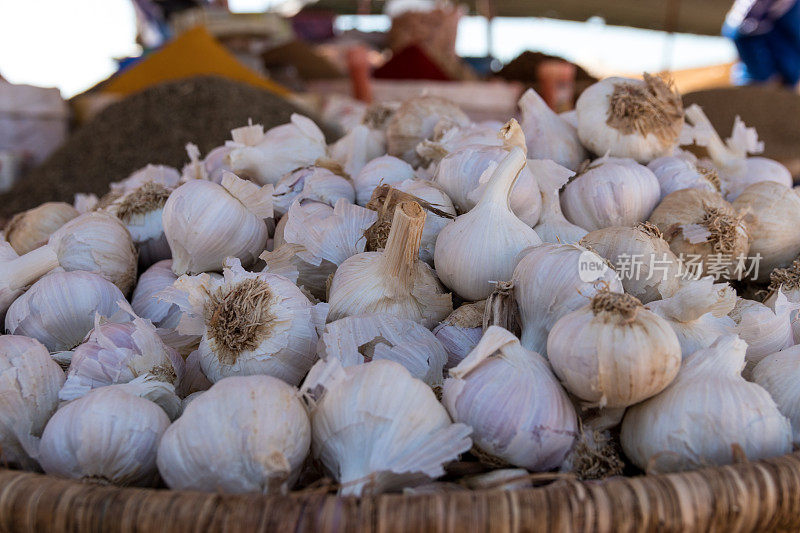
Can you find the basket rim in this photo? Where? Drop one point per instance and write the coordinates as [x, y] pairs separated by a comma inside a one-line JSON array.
[[747, 496]]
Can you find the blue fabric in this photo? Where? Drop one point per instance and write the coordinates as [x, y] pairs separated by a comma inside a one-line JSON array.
[[771, 55]]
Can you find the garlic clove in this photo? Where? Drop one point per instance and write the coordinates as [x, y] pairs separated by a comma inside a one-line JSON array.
[[31, 229], [766, 330]]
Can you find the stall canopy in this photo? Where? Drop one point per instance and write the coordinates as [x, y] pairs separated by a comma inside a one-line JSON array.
[[686, 16]]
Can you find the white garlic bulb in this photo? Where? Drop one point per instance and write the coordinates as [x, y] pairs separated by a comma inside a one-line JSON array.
[[786, 281], [613, 352], [358, 339], [736, 170], [642, 258], [461, 331], [698, 312], [518, 412], [675, 173], [371, 441], [708, 416], [206, 223], [415, 121], [117, 353], [315, 183], [357, 147], [610, 192], [394, 281], [30, 229], [623, 117], [245, 434], [779, 374], [493, 227], [705, 232], [59, 309], [29, 384], [99, 243], [251, 323], [772, 214], [766, 330], [553, 227], [547, 135], [384, 170], [552, 280], [159, 174], [111, 435], [265, 157], [448, 138]]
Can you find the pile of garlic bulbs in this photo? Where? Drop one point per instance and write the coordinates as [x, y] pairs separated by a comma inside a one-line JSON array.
[[549, 294]]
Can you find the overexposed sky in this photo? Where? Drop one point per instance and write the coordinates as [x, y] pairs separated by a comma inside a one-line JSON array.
[[71, 44]]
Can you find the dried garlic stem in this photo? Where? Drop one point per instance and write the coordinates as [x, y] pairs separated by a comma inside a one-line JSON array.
[[402, 246], [26, 269]]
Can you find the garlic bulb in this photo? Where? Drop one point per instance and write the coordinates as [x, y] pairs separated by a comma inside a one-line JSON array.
[[642, 258], [29, 384], [552, 226], [622, 117], [461, 331], [30, 229], [384, 170], [705, 232], [778, 374], [415, 121], [99, 243], [147, 304], [251, 323], [548, 136], [737, 171], [613, 352], [787, 282], [359, 146], [698, 313], [210, 168], [394, 281], [111, 435], [358, 339], [490, 225], [59, 309], [708, 416], [265, 157], [448, 138], [205, 223], [766, 330], [17, 272], [371, 441], [553, 280], [117, 353], [675, 173], [518, 412], [610, 192], [772, 214], [163, 175], [315, 183], [245, 434]]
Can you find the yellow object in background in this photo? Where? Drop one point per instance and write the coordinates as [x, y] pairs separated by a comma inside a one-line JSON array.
[[193, 53]]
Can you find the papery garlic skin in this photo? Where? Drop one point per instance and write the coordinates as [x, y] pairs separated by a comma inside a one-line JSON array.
[[359, 146], [552, 280], [29, 384], [613, 352], [461, 331], [384, 170], [779, 374], [371, 441], [30, 229], [251, 323], [772, 214], [611, 192], [314, 183], [265, 157], [244, 435], [766, 330], [358, 339], [59, 309], [705, 415], [491, 226], [99, 243], [622, 117], [449, 138], [108, 436], [547, 135], [675, 173], [553, 227], [205, 223], [514, 404]]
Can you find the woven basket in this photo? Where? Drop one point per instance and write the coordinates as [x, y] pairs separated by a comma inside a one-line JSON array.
[[757, 496]]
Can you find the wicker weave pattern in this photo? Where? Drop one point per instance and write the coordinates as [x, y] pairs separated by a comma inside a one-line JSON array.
[[757, 496]]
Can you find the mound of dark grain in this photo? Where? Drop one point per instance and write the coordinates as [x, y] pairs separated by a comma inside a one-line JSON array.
[[152, 126]]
